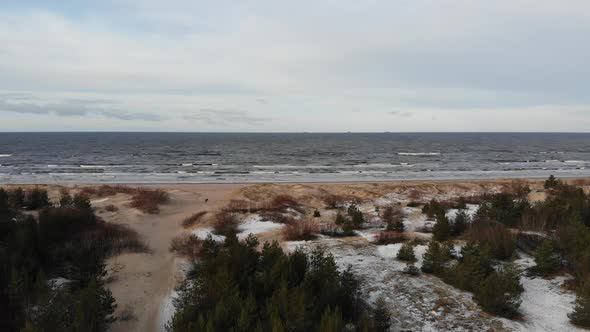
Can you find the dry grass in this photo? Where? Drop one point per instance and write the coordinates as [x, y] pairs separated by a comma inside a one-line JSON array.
[[240, 205], [192, 220], [107, 190], [149, 200], [111, 208], [334, 201], [389, 237], [116, 238], [301, 230], [186, 245]]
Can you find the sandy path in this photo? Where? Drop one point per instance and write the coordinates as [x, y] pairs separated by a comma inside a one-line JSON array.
[[143, 281]]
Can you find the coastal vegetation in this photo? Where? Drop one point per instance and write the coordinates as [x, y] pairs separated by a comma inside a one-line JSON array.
[[52, 266], [235, 286]]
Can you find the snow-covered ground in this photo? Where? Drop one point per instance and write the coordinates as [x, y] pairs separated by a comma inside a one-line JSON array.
[[422, 303], [545, 304], [426, 303], [255, 225], [203, 233]]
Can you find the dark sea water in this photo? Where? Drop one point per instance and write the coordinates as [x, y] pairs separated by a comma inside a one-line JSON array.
[[240, 157]]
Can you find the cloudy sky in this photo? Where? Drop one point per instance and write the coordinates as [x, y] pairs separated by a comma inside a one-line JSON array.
[[330, 65]]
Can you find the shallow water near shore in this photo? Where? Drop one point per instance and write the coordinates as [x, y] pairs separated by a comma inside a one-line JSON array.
[[288, 157]]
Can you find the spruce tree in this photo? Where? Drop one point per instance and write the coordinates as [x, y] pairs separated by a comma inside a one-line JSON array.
[[442, 229], [581, 314], [406, 252], [500, 292], [460, 223], [546, 259]]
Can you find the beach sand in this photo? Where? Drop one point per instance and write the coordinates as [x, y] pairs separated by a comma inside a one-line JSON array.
[[142, 282]]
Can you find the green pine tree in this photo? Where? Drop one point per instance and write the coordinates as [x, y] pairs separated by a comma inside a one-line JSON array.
[[546, 259], [406, 252], [442, 228], [581, 314]]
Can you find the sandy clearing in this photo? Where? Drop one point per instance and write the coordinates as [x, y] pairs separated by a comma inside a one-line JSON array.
[[144, 281]]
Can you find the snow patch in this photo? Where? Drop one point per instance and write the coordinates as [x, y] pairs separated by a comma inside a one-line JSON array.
[[203, 233], [254, 225]]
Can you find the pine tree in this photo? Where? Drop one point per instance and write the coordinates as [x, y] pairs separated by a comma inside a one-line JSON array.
[[551, 182], [546, 259], [382, 316], [460, 223], [500, 292], [406, 252], [581, 314], [442, 229], [82, 202]]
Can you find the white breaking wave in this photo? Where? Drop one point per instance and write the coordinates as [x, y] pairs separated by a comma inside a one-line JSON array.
[[418, 153], [5, 155]]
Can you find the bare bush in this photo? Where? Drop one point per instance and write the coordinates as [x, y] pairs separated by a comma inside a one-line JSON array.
[[192, 220], [226, 223], [186, 245], [301, 230], [334, 201], [149, 200], [499, 239]]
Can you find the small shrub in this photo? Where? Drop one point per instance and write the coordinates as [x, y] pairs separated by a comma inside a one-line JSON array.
[[406, 253], [331, 229], [316, 214], [551, 182], [393, 216], [192, 220], [334, 201], [226, 223], [412, 270], [283, 202], [301, 230], [187, 245], [149, 200]]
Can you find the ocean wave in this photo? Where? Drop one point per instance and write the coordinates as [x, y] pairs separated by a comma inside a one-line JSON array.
[[578, 161], [418, 153], [5, 155]]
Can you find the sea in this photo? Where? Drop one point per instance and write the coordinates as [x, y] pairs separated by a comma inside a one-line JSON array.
[[126, 157]]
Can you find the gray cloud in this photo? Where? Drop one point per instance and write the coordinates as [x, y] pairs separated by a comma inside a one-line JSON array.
[[223, 116], [72, 108]]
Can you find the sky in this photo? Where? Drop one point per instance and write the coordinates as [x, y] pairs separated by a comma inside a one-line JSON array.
[[292, 66]]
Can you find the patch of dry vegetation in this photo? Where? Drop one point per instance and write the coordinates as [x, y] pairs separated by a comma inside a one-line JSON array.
[[390, 237], [192, 220], [301, 230], [187, 245], [226, 223], [149, 200]]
